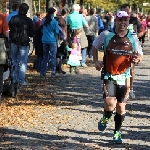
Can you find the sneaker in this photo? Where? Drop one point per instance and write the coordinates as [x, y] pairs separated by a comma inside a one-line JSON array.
[[43, 76], [103, 123], [19, 85], [131, 94], [15, 89], [84, 65], [53, 74], [62, 72], [24, 84], [117, 137]]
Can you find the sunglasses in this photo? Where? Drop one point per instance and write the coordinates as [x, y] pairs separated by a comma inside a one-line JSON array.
[[122, 19]]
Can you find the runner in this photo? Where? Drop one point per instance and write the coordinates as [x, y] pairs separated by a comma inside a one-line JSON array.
[[134, 26], [121, 47]]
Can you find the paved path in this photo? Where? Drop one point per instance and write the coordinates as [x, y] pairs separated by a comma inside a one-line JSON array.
[[62, 114]]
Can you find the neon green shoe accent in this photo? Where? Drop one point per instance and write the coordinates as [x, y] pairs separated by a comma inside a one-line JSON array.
[[117, 137], [103, 123]]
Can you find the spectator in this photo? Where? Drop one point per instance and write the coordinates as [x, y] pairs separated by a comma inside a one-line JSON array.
[[79, 23], [3, 33], [74, 58], [92, 31], [108, 18], [61, 51], [74, 61], [15, 8], [144, 24], [148, 25], [104, 21], [21, 28], [101, 26], [36, 17], [38, 43], [49, 39]]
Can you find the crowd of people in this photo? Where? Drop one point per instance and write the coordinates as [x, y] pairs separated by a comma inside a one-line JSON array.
[[74, 35]]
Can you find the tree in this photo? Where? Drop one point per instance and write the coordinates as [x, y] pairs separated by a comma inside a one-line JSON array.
[[112, 5], [3, 6]]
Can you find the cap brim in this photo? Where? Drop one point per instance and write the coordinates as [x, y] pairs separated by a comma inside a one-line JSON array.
[[122, 17]]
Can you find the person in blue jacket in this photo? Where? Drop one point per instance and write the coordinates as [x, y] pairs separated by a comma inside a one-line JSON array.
[[15, 9], [100, 24], [49, 39]]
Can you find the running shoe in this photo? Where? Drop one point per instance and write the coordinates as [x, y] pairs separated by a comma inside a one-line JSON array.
[[84, 65], [103, 123], [117, 137], [53, 74]]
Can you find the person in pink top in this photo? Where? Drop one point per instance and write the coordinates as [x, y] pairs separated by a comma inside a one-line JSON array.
[[74, 50], [76, 39], [75, 56], [148, 25], [74, 60], [144, 25]]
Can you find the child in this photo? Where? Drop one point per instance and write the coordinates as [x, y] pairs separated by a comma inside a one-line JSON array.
[[74, 60]]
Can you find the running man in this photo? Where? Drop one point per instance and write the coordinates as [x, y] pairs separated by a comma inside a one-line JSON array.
[[121, 47], [135, 26]]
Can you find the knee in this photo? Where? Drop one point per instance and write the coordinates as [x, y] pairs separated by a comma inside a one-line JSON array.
[[120, 108], [109, 103]]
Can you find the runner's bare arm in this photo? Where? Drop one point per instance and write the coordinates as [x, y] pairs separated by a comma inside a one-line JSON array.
[[98, 64], [98, 42]]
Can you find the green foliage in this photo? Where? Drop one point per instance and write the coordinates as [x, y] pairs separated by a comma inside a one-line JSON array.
[[3, 6], [113, 5]]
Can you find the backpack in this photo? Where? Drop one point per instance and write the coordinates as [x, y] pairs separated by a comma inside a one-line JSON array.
[[21, 28]]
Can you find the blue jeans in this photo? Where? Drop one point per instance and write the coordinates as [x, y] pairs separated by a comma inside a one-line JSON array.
[[84, 55], [52, 49], [19, 56]]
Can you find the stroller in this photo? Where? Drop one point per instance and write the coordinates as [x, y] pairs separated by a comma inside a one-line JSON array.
[[10, 89], [7, 75]]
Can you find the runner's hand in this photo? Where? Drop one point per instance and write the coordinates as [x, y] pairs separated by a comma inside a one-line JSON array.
[[99, 65], [136, 57]]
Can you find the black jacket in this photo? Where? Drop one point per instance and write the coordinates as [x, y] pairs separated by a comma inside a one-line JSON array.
[[21, 28]]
